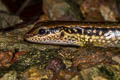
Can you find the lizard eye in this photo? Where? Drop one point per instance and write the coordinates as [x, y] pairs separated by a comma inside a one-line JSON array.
[[42, 31]]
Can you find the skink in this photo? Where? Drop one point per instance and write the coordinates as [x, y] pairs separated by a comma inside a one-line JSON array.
[[75, 33]]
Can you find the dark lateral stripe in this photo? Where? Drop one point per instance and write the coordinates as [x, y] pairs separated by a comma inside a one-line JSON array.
[[79, 30], [98, 30], [86, 30], [66, 29]]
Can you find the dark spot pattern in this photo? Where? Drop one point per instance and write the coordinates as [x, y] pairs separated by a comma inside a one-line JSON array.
[[62, 34], [88, 31], [97, 31], [104, 30], [78, 30], [66, 29]]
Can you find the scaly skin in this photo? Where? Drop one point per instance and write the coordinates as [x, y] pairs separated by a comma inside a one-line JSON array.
[[76, 33]]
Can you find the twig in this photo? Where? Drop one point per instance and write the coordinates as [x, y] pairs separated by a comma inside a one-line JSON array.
[[22, 7]]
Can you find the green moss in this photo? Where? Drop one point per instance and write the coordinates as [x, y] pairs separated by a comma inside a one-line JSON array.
[[106, 72]]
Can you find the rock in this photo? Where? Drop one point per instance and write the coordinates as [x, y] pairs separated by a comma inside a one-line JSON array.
[[55, 65], [64, 75], [61, 10], [5, 58], [34, 73], [99, 10], [11, 75], [92, 57]]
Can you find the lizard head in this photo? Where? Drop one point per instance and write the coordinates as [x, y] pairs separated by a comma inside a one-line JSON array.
[[58, 35]]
